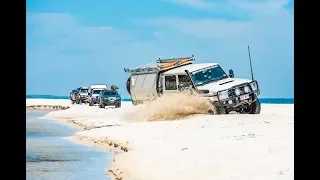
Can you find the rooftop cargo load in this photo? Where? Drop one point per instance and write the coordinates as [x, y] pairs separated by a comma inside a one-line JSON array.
[[161, 65], [98, 86]]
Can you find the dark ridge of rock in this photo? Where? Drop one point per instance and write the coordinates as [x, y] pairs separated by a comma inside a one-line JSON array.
[[47, 107]]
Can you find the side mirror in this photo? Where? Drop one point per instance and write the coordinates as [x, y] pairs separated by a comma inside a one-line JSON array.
[[88, 94], [231, 73]]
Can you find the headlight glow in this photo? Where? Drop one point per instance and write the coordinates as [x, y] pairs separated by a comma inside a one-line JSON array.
[[254, 86], [237, 91], [223, 95], [246, 89]]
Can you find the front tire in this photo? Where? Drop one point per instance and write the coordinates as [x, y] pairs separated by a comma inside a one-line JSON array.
[[218, 111], [118, 105], [101, 105], [253, 108], [90, 103]]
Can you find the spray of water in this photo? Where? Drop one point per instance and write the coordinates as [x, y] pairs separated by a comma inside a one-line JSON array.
[[172, 107]]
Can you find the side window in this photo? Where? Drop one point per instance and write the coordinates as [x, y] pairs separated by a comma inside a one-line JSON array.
[[170, 82], [184, 79]]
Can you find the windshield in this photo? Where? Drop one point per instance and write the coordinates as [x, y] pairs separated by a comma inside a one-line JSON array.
[[84, 91], [206, 75], [96, 91], [110, 93]]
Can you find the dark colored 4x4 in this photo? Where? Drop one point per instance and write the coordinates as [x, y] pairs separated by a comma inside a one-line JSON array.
[[109, 98]]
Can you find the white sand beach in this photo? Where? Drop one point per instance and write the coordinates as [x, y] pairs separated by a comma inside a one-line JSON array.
[[206, 147]]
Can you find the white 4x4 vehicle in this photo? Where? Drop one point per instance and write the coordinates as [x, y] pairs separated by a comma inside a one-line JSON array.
[[224, 91]]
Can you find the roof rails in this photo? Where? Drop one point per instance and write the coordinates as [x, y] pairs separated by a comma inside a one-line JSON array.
[[161, 65]]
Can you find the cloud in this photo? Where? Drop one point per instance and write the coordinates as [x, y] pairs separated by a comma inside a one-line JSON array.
[[235, 8], [267, 26], [61, 47]]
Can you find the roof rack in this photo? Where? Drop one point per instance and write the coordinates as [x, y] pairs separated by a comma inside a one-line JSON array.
[[161, 65]]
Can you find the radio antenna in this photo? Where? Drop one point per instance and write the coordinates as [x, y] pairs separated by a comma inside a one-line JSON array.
[[250, 63]]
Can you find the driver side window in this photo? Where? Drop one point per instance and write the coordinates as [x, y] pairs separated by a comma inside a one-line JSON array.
[[184, 79]]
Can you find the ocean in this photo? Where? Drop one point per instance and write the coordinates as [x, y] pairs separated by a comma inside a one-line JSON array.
[[49, 156], [262, 100]]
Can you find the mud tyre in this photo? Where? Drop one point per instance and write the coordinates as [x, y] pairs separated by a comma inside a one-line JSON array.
[[218, 111], [90, 103], [255, 107], [135, 102], [102, 106], [118, 105]]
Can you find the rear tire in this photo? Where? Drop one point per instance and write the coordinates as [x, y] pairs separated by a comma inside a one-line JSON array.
[[135, 102]]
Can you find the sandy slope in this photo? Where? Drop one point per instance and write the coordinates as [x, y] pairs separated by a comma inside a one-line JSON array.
[[242, 147]]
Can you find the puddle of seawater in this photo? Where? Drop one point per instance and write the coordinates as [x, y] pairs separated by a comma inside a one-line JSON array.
[[49, 156]]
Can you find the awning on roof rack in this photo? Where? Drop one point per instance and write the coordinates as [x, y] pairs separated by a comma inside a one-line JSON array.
[[161, 65]]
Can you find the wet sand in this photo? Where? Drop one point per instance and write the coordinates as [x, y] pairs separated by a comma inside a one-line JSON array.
[[50, 156]]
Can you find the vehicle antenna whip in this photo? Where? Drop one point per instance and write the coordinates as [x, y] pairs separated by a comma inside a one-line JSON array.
[[250, 63]]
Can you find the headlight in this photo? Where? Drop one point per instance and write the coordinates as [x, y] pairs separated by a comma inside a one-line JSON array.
[[254, 86], [246, 89], [237, 91], [223, 95]]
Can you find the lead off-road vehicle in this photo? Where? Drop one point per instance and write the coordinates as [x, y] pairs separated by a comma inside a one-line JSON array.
[[223, 90]]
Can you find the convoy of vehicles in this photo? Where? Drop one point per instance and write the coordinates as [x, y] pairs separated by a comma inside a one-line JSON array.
[[148, 82]]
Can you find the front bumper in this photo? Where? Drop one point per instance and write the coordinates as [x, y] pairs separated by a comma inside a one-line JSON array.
[[108, 102], [84, 98], [235, 101]]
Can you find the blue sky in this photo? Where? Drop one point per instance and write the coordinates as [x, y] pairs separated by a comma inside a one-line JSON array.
[[80, 42]]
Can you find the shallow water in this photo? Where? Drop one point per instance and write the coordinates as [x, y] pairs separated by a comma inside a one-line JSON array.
[[49, 156]]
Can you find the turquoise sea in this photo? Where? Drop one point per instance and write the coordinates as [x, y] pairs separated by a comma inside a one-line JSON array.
[[262, 100]]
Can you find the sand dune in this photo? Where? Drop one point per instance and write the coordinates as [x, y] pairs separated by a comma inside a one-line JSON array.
[[220, 147]]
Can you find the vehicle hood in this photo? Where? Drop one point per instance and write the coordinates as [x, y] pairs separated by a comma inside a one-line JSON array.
[[223, 84]]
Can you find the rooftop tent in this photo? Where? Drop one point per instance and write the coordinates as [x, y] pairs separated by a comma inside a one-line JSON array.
[[161, 65], [74, 90]]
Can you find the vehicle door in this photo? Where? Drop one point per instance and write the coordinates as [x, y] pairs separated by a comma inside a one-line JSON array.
[[170, 84]]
